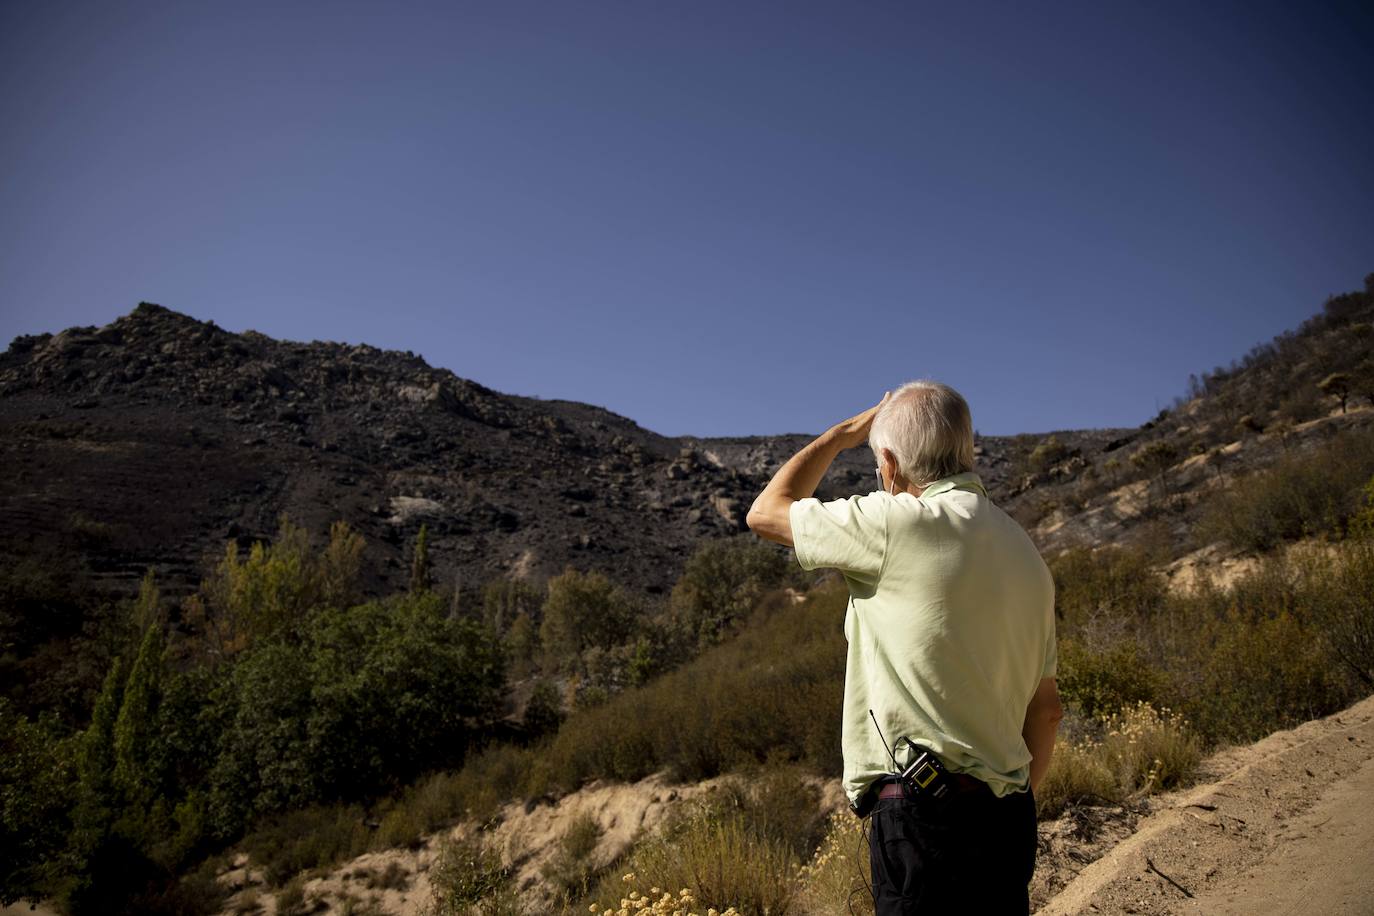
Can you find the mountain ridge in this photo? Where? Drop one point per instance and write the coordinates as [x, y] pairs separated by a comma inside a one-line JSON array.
[[233, 429]]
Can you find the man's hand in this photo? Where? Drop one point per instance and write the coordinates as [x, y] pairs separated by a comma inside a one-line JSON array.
[[854, 432], [770, 516]]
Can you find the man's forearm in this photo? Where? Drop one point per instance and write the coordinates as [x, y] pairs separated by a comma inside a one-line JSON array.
[[796, 479], [1038, 732], [801, 474]]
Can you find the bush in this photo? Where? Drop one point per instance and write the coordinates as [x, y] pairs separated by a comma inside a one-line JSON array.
[[571, 868], [1129, 753], [583, 610], [1077, 775], [468, 878], [1096, 683], [1148, 749], [291, 899], [838, 877], [1300, 495], [1343, 610], [716, 860], [774, 690], [369, 698], [1049, 452], [1261, 675], [307, 838], [722, 582], [1112, 582]]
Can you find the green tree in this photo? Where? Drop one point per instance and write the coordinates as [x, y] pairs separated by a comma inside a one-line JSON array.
[[584, 610], [340, 565], [263, 765], [135, 726], [1337, 385], [273, 589], [365, 700], [36, 781], [397, 687], [722, 581], [98, 801]]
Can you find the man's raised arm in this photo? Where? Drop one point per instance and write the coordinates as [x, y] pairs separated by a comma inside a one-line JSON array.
[[769, 516]]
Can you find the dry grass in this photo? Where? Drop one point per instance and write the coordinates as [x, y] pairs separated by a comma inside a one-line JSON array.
[[1136, 751], [837, 879]]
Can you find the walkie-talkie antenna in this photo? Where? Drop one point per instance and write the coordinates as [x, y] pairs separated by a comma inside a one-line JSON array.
[[884, 737]]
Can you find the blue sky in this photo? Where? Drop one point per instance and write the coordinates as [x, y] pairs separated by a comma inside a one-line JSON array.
[[713, 218]]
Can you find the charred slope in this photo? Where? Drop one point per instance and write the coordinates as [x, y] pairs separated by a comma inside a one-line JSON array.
[[152, 440]]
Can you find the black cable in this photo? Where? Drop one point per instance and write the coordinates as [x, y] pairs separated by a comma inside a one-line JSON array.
[[864, 846]]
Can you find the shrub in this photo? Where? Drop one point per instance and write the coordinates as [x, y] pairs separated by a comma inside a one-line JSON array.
[[584, 610], [468, 878], [544, 711], [774, 690], [722, 582], [1113, 582], [1156, 458], [1049, 452], [291, 900], [1096, 683], [1261, 675], [307, 838], [777, 802], [1131, 752], [1343, 611], [718, 861], [571, 868], [1300, 495], [1149, 749], [837, 879], [1077, 774]]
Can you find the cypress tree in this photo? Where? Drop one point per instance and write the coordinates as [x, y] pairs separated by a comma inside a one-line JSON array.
[[135, 727]]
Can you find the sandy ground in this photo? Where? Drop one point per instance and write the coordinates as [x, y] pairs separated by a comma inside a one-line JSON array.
[[1281, 826]]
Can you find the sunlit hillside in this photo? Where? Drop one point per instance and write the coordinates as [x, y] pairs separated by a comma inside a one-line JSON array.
[[282, 737]]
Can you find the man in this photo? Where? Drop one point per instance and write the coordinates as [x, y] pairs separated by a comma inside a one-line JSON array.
[[950, 624]]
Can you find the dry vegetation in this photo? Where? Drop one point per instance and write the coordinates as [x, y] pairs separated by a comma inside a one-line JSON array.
[[274, 714]]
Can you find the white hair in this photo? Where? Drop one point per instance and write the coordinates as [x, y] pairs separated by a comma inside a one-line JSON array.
[[928, 428]]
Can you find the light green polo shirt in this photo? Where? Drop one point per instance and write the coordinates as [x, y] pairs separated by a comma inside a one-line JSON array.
[[950, 625]]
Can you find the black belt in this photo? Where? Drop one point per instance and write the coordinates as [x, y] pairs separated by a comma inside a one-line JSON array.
[[960, 783]]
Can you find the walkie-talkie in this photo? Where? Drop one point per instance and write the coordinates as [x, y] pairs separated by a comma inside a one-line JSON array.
[[925, 774]]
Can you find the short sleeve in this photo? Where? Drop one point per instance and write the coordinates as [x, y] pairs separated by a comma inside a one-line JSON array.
[[847, 534], [1051, 656]]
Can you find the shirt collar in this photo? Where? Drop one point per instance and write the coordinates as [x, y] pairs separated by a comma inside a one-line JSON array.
[[968, 480]]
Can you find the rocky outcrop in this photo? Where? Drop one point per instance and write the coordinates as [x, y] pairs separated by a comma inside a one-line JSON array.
[[154, 439]]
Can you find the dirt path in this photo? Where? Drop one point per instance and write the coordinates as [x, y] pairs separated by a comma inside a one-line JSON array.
[[1282, 826]]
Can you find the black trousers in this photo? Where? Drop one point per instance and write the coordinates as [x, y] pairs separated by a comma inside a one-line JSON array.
[[973, 852]]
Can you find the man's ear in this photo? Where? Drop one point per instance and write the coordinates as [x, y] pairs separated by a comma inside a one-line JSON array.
[[889, 462]]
